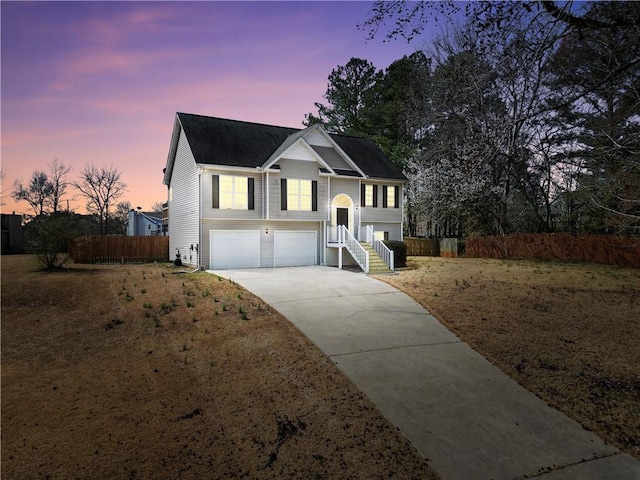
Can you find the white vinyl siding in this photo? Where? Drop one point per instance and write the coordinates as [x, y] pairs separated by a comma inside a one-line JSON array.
[[347, 186], [387, 215], [225, 213], [316, 138], [183, 203], [394, 230], [296, 170]]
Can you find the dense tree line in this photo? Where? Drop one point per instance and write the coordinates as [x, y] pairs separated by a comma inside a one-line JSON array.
[[526, 118]]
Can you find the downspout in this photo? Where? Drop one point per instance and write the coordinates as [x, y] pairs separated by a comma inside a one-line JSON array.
[[402, 212], [200, 229], [267, 197], [358, 208]]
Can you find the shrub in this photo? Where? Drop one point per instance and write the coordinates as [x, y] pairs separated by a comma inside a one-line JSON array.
[[47, 237], [400, 252]]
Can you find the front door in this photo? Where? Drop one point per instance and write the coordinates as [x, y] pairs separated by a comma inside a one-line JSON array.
[[342, 217]]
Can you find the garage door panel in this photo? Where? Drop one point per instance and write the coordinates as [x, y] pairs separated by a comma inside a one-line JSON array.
[[292, 249], [235, 249]]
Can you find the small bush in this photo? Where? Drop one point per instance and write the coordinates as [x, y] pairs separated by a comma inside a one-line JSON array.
[[400, 252]]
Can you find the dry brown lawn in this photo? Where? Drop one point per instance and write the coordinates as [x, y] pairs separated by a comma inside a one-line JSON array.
[[134, 372], [568, 332]]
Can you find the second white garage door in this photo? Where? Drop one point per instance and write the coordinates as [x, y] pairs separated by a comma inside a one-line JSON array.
[[235, 248], [293, 249]]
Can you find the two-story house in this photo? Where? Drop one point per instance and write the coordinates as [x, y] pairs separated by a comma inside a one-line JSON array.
[[144, 224], [247, 195]]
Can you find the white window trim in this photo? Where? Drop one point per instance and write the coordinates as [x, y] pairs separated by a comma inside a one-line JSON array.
[[295, 201], [239, 199], [368, 195]]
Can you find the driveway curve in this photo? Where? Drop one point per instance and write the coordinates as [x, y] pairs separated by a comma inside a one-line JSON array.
[[466, 417]]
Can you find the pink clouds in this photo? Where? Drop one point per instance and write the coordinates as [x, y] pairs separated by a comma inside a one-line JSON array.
[[100, 82]]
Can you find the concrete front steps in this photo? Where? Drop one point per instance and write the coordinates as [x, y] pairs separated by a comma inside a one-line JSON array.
[[376, 264]]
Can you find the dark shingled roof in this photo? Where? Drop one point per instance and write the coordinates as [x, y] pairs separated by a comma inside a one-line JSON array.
[[368, 157], [218, 141]]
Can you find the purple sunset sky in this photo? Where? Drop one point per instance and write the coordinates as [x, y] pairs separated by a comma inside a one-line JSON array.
[[100, 82]]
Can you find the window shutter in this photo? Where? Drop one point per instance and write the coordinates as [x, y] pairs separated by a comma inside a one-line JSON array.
[[375, 195], [384, 196], [314, 195], [216, 191], [283, 194], [396, 197], [250, 193], [363, 195]]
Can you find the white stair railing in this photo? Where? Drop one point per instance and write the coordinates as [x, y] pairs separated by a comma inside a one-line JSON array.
[[340, 235], [334, 234], [385, 253], [381, 249]]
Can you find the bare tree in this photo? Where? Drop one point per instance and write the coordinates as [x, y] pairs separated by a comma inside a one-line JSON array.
[[121, 216], [36, 193], [101, 188], [2, 189], [157, 207], [59, 184]]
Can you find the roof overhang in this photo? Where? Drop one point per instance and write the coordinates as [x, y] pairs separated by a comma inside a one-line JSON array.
[[173, 147]]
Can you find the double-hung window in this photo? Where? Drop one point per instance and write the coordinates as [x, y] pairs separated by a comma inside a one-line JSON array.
[[233, 192], [369, 195], [390, 196], [301, 195]]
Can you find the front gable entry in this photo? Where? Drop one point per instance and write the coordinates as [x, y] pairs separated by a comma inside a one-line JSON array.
[[300, 150]]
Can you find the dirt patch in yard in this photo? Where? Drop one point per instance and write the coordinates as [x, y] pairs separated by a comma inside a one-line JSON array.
[[124, 372], [568, 332]]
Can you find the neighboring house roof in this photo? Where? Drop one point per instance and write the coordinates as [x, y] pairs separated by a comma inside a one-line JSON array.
[[218, 141], [153, 215]]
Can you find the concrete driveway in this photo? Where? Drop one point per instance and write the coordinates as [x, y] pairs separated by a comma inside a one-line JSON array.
[[468, 419]]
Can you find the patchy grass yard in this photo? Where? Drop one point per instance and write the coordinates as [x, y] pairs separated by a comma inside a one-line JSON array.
[[568, 332], [125, 372]]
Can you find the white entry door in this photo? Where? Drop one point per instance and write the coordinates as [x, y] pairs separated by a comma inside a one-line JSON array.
[[293, 249], [235, 249]]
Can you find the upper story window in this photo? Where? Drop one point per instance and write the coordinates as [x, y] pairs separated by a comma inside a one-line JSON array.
[[390, 196], [299, 195], [233, 193], [369, 195]]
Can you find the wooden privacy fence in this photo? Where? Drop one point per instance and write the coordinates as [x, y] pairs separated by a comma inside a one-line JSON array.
[[431, 247], [422, 247], [119, 249], [611, 250]]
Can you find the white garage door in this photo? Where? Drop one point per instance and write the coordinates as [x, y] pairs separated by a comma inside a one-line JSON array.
[[294, 249], [235, 249]]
